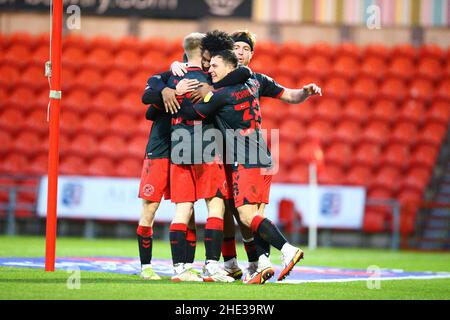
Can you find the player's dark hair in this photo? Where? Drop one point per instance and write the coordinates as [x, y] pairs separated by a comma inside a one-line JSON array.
[[216, 41], [245, 36], [228, 56]]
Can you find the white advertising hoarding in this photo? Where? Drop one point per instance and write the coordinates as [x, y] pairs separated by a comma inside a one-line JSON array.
[[116, 199]]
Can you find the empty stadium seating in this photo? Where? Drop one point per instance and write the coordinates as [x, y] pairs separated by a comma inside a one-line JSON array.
[[382, 118]]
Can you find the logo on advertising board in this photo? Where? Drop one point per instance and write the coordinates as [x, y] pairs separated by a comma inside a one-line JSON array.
[[330, 204], [223, 7], [71, 194]]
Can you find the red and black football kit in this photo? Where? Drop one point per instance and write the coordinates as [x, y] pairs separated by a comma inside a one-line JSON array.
[[237, 114], [200, 173], [155, 182]]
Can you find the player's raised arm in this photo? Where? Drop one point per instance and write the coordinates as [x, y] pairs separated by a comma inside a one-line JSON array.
[[300, 95]]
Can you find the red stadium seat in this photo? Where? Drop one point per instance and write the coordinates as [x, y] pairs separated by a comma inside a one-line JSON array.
[[396, 155], [70, 122], [303, 112], [327, 109], [394, 89], [410, 198], [95, 123], [136, 147], [421, 89], [443, 90], [402, 68], [374, 222], [412, 111], [356, 110], [73, 165], [33, 78], [264, 63], [39, 164], [129, 167], [298, 174], [150, 59], [320, 130], [365, 88], [89, 80], [139, 80], [359, 175], [339, 154], [292, 131], [21, 98], [73, 57], [439, 113], [384, 110], [22, 38], [377, 50], [275, 109], [388, 178], [117, 81], [74, 40], [380, 194], [346, 67], [131, 43], [430, 68], [14, 163], [374, 68], [7, 142], [293, 48], [287, 153], [103, 42], [113, 147], [127, 60], [348, 132], [3, 95], [348, 49], [84, 145], [317, 65], [158, 44], [432, 51], [77, 100], [309, 152], [67, 78], [289, 64], [27, 143], [425, 156], [336, 88], [100, 59], [40, 55], [123, 124], [404, 51], [285, 80], [416, 179], [106, 102], [17, 56], [131, 103], [367, 154], [101, 166], [432, 134], [376, 132], [322, 49], [331, 175], [10, 76], [405, 133], [10, 120]]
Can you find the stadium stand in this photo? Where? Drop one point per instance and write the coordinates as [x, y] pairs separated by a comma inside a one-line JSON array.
[[381, 122]]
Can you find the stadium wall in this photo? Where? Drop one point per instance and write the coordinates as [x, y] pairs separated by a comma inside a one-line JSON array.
[[306, 33]]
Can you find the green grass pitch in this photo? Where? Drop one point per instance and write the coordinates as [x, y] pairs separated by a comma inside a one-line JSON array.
[[19, 283]]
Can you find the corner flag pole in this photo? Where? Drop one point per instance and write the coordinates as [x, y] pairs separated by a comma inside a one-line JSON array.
[[54, 72]]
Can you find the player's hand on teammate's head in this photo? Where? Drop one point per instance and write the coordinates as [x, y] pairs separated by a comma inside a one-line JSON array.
[[178, 68], [170, 100], [186, 85], [199, 94], [313, 89]]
